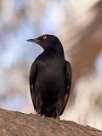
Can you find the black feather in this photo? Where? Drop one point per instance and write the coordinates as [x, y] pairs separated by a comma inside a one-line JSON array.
[[50, 77]]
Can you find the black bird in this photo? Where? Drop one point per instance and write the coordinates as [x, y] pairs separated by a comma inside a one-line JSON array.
[[50, 77]]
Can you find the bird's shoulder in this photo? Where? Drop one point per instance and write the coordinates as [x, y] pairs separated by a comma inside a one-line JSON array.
[[68, 66]]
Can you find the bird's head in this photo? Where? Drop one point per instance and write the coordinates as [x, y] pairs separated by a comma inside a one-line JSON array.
[[45, 40]]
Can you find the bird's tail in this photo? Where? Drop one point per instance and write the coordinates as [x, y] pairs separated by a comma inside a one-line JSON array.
[[49, 112]]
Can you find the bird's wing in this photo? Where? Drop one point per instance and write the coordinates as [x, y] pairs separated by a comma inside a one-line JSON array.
[[32, 78], [68, 76], [68, 79]]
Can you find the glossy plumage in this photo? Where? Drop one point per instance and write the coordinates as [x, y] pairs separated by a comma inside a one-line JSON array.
[[50, 77]]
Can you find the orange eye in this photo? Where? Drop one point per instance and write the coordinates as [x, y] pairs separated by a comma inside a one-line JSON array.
[[44, 37]]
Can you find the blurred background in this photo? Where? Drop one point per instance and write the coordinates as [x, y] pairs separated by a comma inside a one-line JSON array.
[[78, 24]]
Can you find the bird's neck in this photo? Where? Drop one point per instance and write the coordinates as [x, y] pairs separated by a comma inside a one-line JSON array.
[[57, 48]]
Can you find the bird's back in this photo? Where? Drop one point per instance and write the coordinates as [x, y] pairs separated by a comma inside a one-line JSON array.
[[50, 78], [51, 69]]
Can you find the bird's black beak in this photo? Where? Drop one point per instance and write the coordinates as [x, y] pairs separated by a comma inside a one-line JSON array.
[[37, 41], [33, 40]]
